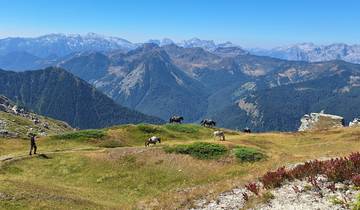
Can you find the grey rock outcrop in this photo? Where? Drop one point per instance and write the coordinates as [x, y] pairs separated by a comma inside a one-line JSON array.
[[320, 121], [16, 121], [355, 123], [5, 133]]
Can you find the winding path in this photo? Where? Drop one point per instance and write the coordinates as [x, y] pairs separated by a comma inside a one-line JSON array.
[[9, 158]]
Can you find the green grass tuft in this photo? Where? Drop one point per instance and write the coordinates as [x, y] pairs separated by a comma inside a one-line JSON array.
[[82, 135], [183, 128], [267, 197], [247, 154], [135, 135], [357, 203], [201, 150], [111, 144], [146, 128]]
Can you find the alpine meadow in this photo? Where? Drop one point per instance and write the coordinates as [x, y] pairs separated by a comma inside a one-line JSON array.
[[197, 105]]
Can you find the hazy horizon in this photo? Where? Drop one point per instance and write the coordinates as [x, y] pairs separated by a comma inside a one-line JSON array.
[[256, 23]]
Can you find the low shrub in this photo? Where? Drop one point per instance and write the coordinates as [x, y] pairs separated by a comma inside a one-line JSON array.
[[307, 188], [356, 180], [252, 187], [274, 178], [201, 150], [267, 196], [83, 134], [311, 168], [182, 128], [337, 201], [336, 170], [246, 154], [147, 128]]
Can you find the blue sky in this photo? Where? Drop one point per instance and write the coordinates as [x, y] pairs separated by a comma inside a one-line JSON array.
[[250, 23]]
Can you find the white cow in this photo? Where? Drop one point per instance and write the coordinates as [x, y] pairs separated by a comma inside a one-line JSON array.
[[219, 134], [152, 140]]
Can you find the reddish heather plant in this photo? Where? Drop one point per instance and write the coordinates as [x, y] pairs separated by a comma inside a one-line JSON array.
[[274, 178], [252, 187], [356, 180], [311, 168], [331, 187], [354, 158], [338, 169], [313, 182]]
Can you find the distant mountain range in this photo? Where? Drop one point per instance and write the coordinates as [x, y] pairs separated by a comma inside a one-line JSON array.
[[56, 93], [236, 91], [54, 46], [313, 53], [58, 45], [200, 79], [144, 79]]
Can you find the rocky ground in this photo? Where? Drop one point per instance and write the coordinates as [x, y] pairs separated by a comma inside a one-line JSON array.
[[18, 122], [319, 194], [322, 194], [227, 200]]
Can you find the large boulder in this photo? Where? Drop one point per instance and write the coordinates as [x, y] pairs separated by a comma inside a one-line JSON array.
[[355, 123], [320, 121]]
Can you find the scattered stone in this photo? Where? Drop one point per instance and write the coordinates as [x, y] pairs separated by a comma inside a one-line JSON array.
[[298, 194], [340, 186], [11, 127], [2, 124], [6, 197], [228, 200], [316, 198], [8, 134]]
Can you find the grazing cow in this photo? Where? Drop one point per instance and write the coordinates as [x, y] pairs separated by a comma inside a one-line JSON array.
[[152, 140], [176, 119], [36, 120], [46, 125], [208, 123], [247, 130], [219, 134]]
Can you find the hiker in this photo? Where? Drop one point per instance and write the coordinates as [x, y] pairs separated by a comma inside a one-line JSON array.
[[32, 143]]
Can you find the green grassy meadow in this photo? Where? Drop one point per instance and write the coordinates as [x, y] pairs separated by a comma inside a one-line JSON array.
[[112, 169]]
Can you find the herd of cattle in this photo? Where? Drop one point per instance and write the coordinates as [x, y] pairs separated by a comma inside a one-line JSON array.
[[206, 123]]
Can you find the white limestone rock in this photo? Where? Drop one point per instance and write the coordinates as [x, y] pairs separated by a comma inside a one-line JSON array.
[[355, 123], [319, 121]]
